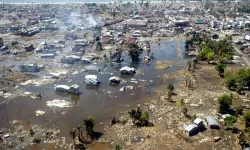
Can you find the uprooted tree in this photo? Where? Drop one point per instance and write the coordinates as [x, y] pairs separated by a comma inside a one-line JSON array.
[[139, 117], [89, 126]]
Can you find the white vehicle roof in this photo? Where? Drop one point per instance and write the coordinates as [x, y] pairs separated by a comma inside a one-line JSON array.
[[62, 86], [93, 77]]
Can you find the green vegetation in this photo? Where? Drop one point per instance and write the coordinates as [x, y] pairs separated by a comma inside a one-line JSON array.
[[225, 101], [134, 52], [118, 147], [193, 117], [89, 125], [220, 68], [139, 117], [237, 81], [180, 102], [246, 118], [210, 49], [228, 121], [244, 9], [239, 110]]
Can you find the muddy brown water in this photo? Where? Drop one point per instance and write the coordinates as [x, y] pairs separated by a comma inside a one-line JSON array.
[[103, 102]]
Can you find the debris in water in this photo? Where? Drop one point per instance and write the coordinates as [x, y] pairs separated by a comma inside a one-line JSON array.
[[58, 103], [39, 112], [122, 89]]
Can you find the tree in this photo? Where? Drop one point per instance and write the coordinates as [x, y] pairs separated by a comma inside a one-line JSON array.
[[224, 101], [230, 120], [72, 134], [139, 117], [170, 87], [132, 114], [184, 111], [210, 56], [246, 118], [144, 118], [181, 102], [134, 52], [89, 126], [118, 147], [230, 81], [220, 68], [239, 110]]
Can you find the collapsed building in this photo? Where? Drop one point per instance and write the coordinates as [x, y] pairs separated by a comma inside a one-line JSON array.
[[29, 68]]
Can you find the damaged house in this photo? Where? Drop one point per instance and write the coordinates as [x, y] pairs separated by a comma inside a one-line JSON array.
[[29, 68]]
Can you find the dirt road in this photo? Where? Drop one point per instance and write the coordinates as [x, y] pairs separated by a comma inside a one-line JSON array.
[[244, 56]]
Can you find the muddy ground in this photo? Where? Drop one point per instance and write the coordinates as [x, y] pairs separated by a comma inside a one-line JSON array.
[[168, 132]]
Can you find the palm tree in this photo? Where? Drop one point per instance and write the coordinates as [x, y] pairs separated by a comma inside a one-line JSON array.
[[184, 111], [89, 126], [72, 133], [132, 114]]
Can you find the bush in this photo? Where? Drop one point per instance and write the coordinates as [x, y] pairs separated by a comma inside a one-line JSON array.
[[246, 117], [225, 101], [239, 110], [220, 68], [180, 102], [230, 120]]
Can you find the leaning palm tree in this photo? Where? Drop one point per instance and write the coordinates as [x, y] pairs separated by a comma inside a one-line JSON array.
[[89, 126], [72, 134]]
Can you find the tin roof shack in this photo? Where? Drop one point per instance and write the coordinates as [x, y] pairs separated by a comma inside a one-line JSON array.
[[181, 23], [247, 37], [92, 80], [74, 89], [127, 70], [137, 33], [111, 22], [29, 68], [30, 32], [191, 129], [62, 88], [71, 59], [199, 123], [48, 55], [136, 24], [178, 30], [86, 60], [29, 48], [212, 123], [117, 27], [70, 36], [80, 45], [32, 21], [46, 16]]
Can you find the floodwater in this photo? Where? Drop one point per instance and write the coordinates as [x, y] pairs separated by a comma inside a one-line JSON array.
[[103, 102]]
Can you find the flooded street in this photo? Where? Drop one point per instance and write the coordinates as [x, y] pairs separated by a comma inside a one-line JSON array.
[[103, 102]]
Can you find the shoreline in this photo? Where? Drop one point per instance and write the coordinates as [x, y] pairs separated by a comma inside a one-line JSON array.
[[107, 2]]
